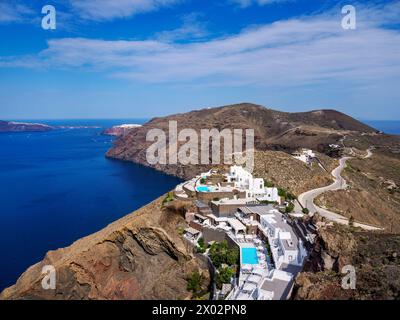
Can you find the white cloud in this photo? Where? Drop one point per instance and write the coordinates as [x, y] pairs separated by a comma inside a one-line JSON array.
[[99, 10], [13, 12], [295, 52], [192, 28], [248, 3]]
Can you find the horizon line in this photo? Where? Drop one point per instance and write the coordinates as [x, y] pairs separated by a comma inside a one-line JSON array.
[[141, 118]]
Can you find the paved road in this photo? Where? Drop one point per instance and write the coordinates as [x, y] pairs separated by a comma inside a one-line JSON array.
[[307, 198]]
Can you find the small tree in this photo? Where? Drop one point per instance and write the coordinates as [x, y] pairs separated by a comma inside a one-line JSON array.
[[290, 196], [232, 257], [218, 252], [224, 276], [282, 192], [289, 208], [201, 242], [201, 248], [305, 211], [194, 282]]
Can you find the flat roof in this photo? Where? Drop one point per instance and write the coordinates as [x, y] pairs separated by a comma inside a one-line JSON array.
[[192, 230], [258, 209], [236, 224], [280, 284], [200, 204], [198, 215], [239, 201], [217, 219], [280, 288]]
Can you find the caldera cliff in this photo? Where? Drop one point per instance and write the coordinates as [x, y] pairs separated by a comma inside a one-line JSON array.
[[140, 256]]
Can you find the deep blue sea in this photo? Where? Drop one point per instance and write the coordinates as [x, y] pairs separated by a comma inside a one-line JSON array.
[[57, 187], [389, 127]]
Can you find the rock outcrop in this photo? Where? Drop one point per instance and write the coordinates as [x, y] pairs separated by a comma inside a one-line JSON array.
[[374, 256], [9, 126], [140, 256]]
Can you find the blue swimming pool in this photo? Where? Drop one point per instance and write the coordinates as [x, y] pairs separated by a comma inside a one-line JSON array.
[[249, 256], [203, 189]]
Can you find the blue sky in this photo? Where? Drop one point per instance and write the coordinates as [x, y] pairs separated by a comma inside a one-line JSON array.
[[145, 58]]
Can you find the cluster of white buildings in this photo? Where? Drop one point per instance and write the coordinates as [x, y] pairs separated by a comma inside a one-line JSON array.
[[232, 206], [272, 281]]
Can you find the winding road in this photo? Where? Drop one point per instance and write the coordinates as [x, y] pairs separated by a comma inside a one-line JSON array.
[[306, 199]]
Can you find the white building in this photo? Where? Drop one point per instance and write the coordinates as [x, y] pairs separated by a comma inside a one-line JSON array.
[[240, 177], [304, 155], [255, 188], [271, 194], [286, 248]]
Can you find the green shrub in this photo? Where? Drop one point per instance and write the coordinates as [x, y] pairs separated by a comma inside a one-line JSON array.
[[282, 192], [194, 283], [224, 275], [232, 257], [201, 242], [221, 254], [168, 198], [269, 184], [290, 196], [200, 249], [289, 208], [181, 231]]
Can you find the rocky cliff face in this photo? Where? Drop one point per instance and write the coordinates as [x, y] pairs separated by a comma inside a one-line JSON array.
[[375, 257], [274, 130], [140, 256]]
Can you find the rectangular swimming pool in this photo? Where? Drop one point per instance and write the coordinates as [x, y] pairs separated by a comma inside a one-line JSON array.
[[249, 256], [203, 189]]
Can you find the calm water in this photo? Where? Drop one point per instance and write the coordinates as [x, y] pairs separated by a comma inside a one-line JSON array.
[[57, 187], [389, 127]]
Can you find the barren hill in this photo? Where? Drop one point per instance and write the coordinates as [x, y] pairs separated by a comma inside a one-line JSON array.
[[274, 130]]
